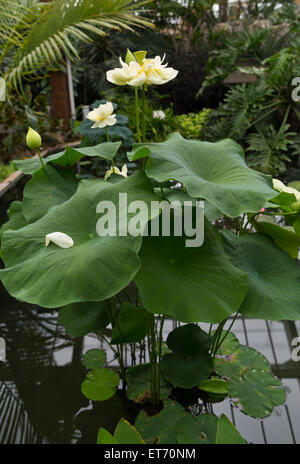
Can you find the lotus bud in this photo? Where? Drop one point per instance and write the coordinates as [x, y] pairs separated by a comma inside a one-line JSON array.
[[33, 139], [60, 239]]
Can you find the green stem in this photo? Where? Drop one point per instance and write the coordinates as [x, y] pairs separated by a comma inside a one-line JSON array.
[[137, 115], [120, 346], [143, 116], [41, 159], [159, 352], [107, 134]]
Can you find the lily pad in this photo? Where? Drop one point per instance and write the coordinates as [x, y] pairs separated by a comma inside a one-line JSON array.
[[96, 268], [229, 344], [216, 172], [81, 319], [132, 322], [93, 359], [258, 392], [138, 378], [100, 384], [244, 358], [190, 362], [206, 287], [273, 277]]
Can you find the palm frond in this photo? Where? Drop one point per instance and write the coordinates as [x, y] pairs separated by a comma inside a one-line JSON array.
[[37, 39]]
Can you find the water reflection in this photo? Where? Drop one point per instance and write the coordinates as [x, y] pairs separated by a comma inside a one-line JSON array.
[[41, 401]]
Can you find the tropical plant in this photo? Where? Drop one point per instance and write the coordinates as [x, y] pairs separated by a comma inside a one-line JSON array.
[[121, 276], [38, 37]]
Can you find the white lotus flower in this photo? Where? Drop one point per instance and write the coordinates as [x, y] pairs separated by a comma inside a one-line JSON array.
[[115, 170], [103, 116], [148, 71], [157, 72], [280, 187], [60, 239], [132, 74]]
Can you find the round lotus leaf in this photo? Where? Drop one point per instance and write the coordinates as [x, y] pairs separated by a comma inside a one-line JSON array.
[[94, 359], [100, 384], [234, 364], [190, 362], [258, 392]]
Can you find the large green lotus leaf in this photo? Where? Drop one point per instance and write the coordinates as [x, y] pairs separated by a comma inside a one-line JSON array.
[[216, 172], [191, 284], [211, 212], [16, 218], [161, 428], [94, 359], [70, 156], [95, 269], [100, 384], [47, 188], [132, 325], [227, 434], [81, 319], [190, 362], [200, 430], [243, 358], [273, 277], [139, 387], [258, 392], [284, 237]]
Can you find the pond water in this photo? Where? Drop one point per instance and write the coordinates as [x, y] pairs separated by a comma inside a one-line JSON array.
[[40, 397]]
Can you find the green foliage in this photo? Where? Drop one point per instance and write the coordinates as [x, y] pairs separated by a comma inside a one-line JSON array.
[[250, 380], [139, 383], [5, 170], [124, 434], [93, 359], [252, 114], [100, 384], [190, 125], [131, 325], [173, 425], [189, 363], [80, 319], [272, 293], [38, 38], [268, 148]]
